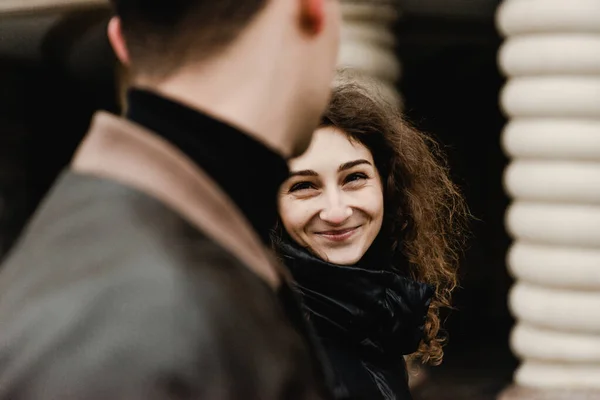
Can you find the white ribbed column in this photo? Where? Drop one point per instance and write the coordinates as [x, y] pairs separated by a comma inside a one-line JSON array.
[[552, 59], [368, 45]]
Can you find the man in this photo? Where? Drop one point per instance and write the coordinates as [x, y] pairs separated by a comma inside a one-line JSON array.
[[145, 274]]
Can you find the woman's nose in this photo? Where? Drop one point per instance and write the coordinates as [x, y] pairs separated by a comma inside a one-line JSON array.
[[336, 211]]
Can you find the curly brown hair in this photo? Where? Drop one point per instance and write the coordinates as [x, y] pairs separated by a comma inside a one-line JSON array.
[[425, 213]]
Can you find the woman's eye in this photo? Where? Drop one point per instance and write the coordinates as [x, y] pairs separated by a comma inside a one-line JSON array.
[[358, 176], [301, 186]]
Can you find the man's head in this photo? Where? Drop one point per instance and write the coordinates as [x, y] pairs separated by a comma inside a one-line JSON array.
[[160, 36], [286, 49]]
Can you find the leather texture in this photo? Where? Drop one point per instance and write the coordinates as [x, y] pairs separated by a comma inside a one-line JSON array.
[[367, 316]]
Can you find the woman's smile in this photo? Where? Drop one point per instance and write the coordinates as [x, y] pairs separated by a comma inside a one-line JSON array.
[[339, 235]]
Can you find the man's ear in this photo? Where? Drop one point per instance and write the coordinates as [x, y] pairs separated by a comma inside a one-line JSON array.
[[312, 15], [115, 37]]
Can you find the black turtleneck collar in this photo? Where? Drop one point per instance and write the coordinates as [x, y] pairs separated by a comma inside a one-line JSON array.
[[370, 307], [248, 171]]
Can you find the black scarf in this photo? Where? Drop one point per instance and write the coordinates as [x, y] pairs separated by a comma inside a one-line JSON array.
[[368, 305]]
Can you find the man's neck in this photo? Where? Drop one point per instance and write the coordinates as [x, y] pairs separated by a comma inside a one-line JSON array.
[[254, 118]]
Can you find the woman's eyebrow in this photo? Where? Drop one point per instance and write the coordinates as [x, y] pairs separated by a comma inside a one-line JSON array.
[[343, 167], [351, 164]]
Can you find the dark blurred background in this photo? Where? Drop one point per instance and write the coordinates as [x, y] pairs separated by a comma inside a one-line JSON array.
[[451, 85], [56, 69]]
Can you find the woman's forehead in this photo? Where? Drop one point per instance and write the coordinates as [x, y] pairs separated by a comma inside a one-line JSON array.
[[329, 148]]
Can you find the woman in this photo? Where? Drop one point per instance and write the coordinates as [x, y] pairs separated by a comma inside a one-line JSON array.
[[370, 228]]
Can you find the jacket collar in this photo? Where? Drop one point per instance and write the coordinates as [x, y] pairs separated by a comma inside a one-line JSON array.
[[125, 152]]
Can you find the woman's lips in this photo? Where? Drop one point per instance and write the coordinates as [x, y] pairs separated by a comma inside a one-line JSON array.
[[338, 235]]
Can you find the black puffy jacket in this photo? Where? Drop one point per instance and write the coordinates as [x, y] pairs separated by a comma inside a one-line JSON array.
[[367, 318]]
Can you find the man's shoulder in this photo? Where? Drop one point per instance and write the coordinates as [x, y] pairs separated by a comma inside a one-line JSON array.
[[98, 233]]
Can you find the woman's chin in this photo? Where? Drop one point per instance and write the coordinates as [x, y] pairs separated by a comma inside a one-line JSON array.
[[342, 256]]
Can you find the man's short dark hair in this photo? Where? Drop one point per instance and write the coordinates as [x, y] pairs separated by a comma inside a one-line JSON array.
[[163, 34]]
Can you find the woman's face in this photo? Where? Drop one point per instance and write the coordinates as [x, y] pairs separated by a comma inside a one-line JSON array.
[[332, 202]]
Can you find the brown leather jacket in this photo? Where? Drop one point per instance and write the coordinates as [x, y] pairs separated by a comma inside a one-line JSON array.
[[138, 278]]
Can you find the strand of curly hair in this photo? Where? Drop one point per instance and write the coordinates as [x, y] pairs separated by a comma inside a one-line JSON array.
[[426, 214]]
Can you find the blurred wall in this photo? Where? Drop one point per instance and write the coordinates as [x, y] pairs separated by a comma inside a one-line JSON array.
[[55, 70]]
